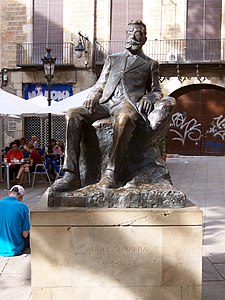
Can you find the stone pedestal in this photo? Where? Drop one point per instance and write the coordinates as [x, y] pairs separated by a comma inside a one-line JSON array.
[[107, 253]]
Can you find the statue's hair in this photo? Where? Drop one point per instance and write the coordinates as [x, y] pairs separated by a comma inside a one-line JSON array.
[[138, 22]]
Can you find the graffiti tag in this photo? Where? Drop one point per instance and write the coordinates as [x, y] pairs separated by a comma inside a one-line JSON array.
[[217, 127], [185, 129]]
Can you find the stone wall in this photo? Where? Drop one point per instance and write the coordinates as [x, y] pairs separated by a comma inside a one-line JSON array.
[[13, 29], [165, 19]]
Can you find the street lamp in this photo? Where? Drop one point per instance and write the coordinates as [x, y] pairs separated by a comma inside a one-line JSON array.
[[4, 73], [81, 46], [49, 68]]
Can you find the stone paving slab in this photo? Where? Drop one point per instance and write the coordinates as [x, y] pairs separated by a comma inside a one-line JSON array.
[[215, 256], [202, 179], [221, 269], [15, 279], [210, 273], [213, 290], [3, 261]]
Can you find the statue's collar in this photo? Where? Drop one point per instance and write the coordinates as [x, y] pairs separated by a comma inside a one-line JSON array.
[[139, 54]]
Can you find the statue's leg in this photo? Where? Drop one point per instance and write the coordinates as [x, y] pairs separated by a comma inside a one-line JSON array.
[[126, 119], [76, 120], [162, 112]]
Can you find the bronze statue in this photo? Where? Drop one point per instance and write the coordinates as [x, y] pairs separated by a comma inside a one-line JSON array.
[[128, 91], [120, 92]]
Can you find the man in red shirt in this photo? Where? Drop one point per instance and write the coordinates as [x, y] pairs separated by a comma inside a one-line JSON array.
[[13, 156], [35, 158]]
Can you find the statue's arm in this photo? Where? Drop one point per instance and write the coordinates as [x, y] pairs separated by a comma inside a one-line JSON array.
[[154, 94], [97, 91], [155, 86]]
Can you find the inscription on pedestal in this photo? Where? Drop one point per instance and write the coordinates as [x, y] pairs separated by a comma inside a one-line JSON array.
[[121, 249], [118, 255]]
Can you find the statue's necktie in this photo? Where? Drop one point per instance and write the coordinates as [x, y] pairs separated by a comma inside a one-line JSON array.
[[129, 61]]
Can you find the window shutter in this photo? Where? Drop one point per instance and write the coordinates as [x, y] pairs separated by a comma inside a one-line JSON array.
[[204, 22], [124, 11], [204, 19], [48, 29]]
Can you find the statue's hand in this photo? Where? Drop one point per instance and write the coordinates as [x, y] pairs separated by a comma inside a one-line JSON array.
[[91, 104], [144, 106]]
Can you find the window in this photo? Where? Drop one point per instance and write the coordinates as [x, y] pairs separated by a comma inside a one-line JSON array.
[[48, 29], [124, 11], [12, 126]]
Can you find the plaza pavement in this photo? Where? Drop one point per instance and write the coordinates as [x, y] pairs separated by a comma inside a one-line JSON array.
[[202, 179]]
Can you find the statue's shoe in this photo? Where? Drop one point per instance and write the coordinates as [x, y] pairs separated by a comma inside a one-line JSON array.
[[69, 182], [107, 182]]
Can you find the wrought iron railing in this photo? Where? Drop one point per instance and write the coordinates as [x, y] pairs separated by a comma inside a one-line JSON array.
[[177, 50], [29, 54]]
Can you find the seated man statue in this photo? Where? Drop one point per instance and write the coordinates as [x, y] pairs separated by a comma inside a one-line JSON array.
[[127, 90]]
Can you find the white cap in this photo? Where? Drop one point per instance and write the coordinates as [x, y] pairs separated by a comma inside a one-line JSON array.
[[18, 189]]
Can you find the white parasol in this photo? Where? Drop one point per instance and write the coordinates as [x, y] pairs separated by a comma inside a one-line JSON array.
[[12, 104], [41, 102], [62, 106]]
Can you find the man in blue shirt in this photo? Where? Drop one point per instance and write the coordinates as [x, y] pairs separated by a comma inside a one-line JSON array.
[[14, 222]]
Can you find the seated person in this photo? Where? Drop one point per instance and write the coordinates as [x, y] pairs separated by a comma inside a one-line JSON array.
[[35, 158], [61, 145], [13, 156], [57, 150], [34, 141], [24, 147], [52, 155], [50, 149], [14, 223]]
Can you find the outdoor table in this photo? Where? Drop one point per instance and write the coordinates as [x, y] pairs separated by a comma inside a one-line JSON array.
[[7, 165]]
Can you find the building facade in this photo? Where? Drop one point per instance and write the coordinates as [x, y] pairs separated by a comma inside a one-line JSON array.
[[185, 36]]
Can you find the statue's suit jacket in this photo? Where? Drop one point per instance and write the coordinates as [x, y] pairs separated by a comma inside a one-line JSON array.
[[139, 79]]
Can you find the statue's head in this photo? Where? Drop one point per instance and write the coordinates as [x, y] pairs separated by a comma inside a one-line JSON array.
[[136, 36]]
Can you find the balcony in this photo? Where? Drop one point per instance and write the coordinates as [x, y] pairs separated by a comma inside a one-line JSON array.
[[178, 51], [28, 55]]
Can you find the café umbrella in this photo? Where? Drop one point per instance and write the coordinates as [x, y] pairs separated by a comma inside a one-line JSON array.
[[11, 104], [62, 106], [41, 102]]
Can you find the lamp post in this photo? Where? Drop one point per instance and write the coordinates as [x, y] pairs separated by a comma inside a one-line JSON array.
[[49, 68], [81, 46], [4, 74]]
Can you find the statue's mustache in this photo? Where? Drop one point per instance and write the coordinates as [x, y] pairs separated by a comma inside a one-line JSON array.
[[132, 42]]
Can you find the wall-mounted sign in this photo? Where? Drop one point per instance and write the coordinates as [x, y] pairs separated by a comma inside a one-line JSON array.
[[58, 91]]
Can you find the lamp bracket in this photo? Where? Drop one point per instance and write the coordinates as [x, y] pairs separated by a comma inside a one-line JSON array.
[[81, 46]]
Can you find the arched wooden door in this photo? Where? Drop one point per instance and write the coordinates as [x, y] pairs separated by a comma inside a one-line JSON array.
[[198, 123]]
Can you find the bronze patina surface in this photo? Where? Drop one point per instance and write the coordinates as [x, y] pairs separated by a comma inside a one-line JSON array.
[[112, 156]]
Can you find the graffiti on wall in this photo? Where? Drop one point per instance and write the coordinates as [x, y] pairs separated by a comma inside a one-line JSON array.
[[217, 127], [185, 129]]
